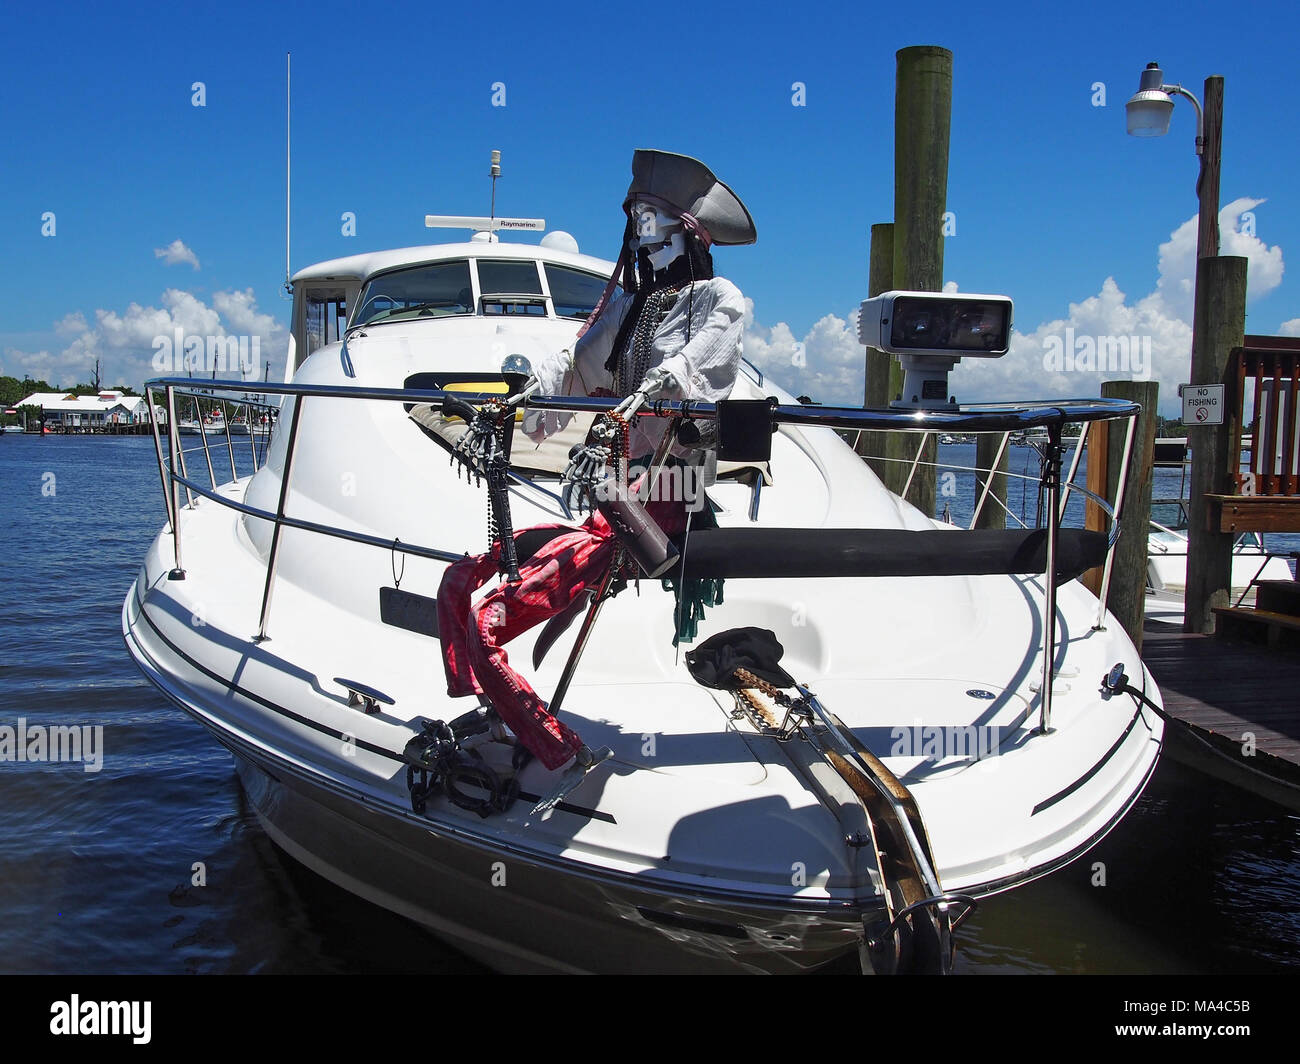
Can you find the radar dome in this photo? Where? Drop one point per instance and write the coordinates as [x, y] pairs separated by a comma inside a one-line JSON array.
[[560, 241]]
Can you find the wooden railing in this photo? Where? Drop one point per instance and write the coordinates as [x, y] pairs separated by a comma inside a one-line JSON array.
[[1267, 487], [1273, 363]]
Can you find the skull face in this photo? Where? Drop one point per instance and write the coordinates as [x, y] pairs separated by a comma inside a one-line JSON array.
[[659, 232]]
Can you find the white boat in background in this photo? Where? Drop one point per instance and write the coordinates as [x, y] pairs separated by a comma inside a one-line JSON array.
[[1167, 555], [929, 727], [205, 428], [202, 424]]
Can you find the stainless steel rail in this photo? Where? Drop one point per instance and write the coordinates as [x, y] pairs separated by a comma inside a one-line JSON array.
[[278, 521], [1004, 418], [991, 417]]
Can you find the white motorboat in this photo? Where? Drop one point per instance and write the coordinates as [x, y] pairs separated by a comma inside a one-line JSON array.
[[197, 428], [292, 613], [1167, 555], [210, 424]]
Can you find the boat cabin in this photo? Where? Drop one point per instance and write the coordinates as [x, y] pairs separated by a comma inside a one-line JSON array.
[[479, 278]]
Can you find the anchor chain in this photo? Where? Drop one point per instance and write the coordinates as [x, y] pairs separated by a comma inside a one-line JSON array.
[[797, 711], [437, 766]]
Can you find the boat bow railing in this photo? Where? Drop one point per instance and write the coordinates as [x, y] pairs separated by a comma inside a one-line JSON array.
[[1004, 418]]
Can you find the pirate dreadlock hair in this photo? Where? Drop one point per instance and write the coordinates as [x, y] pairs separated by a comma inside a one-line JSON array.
[[644, 284]]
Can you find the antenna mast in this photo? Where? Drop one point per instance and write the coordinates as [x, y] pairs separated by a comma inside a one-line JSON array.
[[287, 87], [495, 172]]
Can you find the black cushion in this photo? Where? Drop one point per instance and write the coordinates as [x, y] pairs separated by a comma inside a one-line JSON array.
[[749, 553]]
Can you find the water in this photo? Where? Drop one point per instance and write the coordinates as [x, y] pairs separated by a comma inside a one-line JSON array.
[[96, 868]]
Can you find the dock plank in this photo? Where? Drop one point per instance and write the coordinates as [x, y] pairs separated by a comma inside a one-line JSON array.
[[1225, 689]]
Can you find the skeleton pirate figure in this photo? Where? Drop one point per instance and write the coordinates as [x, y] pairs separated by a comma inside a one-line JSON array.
[[673, 333]]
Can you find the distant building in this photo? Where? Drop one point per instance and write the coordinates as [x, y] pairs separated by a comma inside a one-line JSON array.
[[91, 411]]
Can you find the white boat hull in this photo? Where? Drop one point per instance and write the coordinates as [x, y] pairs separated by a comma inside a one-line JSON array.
[[704, 843], [593, 894]]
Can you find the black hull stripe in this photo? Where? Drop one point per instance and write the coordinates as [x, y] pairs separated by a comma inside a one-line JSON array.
[[997, 886], [382, 751], [1047, 803]]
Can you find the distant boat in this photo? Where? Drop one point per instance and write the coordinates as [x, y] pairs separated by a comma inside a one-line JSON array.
[[1167, 553], [239, 426], [207, 428], [1171, 451]]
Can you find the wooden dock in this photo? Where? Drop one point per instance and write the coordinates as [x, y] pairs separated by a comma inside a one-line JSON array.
[[1237, 706]]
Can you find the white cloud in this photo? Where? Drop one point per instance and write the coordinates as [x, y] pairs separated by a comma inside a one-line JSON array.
[[125, 341], [240, 311], [827, 364], [175, 253], [1160, 321], [71, 324], [1289, 328], [1176, 287]]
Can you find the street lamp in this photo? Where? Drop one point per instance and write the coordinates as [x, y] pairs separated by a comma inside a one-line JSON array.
[[1148, 111], [1150, 108], [1218, 321]]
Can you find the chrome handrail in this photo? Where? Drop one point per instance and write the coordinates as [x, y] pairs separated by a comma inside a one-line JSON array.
[[1001, 417], [278, 522], [328, 530], [988, 417]]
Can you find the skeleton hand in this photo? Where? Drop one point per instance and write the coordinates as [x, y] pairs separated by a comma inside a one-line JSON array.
[[587, 463], [585, 470], [480, 444], [656, 380]]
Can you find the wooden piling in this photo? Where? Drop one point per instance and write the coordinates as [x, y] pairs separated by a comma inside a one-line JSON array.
[[1128, 576], [922, 120], [993, 514], [1220, 325], [1207, 223]]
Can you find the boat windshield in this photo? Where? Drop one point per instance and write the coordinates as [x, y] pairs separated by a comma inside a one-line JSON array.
[[574, 293], [435, 290], [506, 286]]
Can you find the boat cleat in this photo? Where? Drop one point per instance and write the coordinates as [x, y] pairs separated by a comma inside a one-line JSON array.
[[360, 694]]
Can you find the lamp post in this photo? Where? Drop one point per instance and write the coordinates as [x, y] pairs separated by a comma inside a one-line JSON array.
[[1149, 110], [1218, 325]]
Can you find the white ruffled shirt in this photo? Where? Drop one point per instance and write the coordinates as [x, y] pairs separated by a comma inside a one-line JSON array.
[[706, 367]]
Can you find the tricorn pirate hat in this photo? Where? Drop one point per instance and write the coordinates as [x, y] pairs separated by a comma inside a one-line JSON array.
[[688, 188]]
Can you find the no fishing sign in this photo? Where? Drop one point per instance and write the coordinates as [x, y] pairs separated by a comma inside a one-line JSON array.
[[1202, 404]]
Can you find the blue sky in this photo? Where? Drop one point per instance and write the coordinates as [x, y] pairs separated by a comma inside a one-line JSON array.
[[393, 119]]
